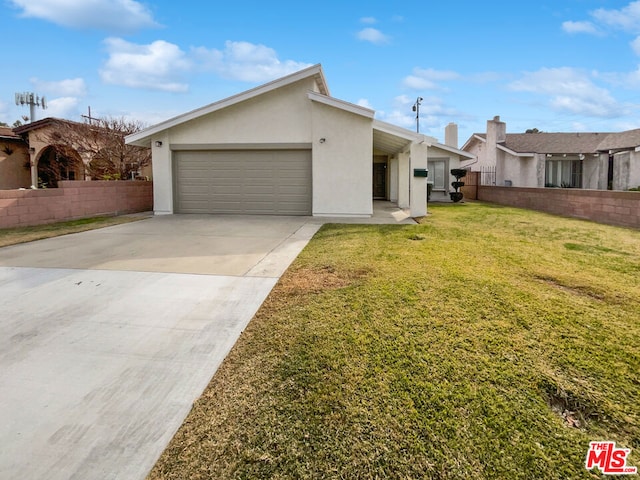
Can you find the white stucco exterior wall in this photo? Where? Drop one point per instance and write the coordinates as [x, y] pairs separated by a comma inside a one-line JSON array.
[[162, 175], [393, 179], [634, 171], [342, 163], [590, 172], [603, 170], [622, 170], [419, 159], [528, 172], [280, 116], [403, 179]]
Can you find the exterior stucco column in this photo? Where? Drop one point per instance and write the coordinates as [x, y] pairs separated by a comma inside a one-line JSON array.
[[34, 169], [418, 196]]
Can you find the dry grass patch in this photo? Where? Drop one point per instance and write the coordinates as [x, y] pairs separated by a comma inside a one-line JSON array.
[[475, 345], [13, 236]]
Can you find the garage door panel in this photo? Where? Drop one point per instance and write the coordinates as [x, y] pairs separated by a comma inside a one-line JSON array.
[[249, 182]]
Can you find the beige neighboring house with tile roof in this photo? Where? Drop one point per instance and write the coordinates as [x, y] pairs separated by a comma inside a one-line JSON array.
[[589, 160], [14, 160]]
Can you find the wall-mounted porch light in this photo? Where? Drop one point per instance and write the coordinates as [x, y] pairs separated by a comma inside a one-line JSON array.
[[158, 143]]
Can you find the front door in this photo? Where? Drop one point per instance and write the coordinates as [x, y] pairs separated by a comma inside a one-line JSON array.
[[380, 181]]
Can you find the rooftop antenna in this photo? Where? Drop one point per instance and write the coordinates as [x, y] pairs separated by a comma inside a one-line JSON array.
[[33, 100]]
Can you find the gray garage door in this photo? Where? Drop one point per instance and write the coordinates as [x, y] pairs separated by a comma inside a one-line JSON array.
[[259, 182]]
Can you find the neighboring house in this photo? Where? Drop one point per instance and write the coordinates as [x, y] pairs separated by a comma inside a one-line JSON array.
[[574, 160], [14, 161], [60, 149], [289, 148], [50, 161]]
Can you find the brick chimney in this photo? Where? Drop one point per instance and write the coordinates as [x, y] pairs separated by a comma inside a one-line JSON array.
[[451, 135]]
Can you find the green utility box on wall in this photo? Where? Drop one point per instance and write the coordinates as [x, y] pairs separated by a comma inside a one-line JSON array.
[[420, 172]]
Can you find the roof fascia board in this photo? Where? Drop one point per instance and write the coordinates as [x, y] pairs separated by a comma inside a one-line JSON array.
[[399, 132], [447, 148], [471, 139], [316, 70], [417, 137], [517, 154], [341, 104]]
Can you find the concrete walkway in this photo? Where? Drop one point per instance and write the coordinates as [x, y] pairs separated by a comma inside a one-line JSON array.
[[108, 336]]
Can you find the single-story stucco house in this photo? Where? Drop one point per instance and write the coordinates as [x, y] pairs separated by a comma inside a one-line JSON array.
[[289, 148], [589, 160]]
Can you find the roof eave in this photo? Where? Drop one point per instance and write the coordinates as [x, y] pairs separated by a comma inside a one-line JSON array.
[[341, 104], [471, 139], [143, 138], [457, 151], [513, 152], [399, 131]]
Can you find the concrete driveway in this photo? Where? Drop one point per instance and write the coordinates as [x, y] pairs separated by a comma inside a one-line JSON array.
[[108, 336]]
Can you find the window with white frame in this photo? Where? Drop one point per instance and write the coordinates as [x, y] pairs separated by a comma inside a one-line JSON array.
[[437, 174], [563, 173]]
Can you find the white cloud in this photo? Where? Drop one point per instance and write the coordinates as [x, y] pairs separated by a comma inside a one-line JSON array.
[[432, 110], [161, 65], [426, 79], [246, 61], [626, 18], [363, 102], [635, 45], [121, 16], [63, 107], [368, 20], [570, 90], [158, 65], [399, 117], [629, 80], [579, 27], [373, 35], [72, 87], [147, 117]]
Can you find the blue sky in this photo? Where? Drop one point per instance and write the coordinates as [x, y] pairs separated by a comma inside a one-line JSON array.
[[561, 65]]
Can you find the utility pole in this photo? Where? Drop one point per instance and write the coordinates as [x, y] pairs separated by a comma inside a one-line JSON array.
[[33, 100], [416, 108]]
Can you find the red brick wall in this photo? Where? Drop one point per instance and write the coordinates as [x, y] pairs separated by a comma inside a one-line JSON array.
[[603, 206], [72, 200]]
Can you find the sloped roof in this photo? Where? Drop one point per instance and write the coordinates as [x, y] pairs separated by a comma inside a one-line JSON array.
[[144, 136], [552, 142], [621, 140], [579, 142], [7, 133], [42, 123], [341, 104]]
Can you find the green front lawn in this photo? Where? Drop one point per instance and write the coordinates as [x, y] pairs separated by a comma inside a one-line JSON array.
[[487, 342]]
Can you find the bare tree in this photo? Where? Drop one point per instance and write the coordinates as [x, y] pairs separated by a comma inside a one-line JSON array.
[[101, 145]]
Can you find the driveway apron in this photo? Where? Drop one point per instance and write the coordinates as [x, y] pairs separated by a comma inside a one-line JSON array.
[[108, 336]]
